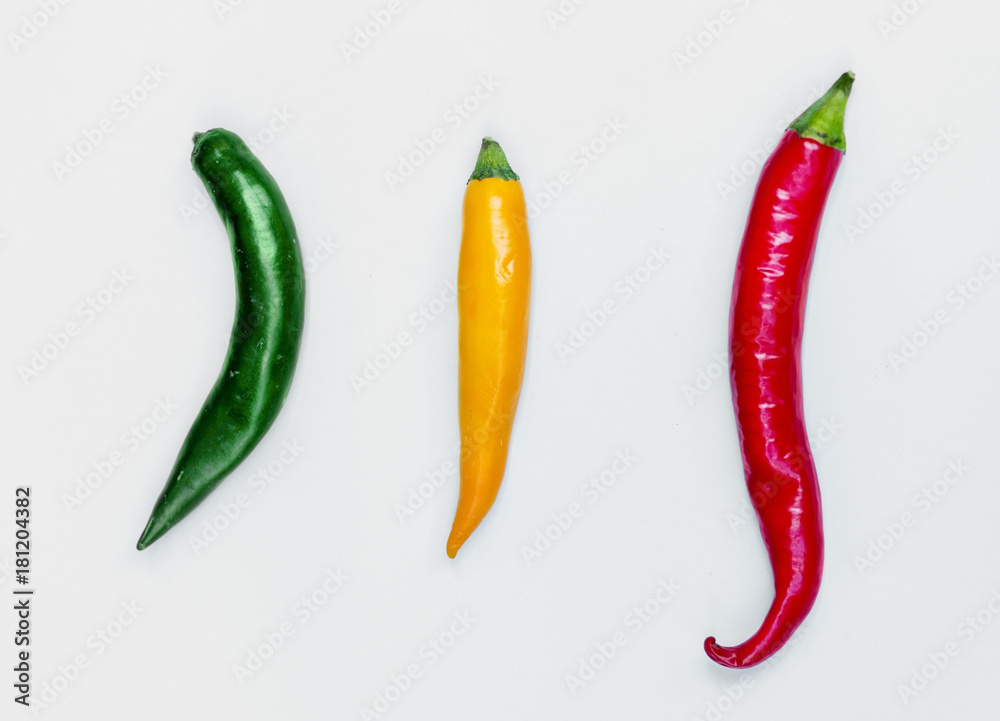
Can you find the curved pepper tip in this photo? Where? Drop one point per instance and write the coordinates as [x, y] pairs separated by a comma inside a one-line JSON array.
[[720, 654]]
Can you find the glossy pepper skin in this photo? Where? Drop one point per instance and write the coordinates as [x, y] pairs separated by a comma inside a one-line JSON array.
[[266, 334], [765, 335], [494, 292]]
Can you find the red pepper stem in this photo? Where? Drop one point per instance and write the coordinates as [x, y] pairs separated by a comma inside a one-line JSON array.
[[823, 121]]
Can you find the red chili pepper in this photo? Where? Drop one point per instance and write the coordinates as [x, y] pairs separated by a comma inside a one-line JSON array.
[[765, 333]]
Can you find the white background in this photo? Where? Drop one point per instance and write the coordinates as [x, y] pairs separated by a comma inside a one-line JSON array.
[[891, 429]]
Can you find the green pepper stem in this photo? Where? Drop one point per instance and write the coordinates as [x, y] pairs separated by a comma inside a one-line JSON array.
[[823, 121], [492, 163]]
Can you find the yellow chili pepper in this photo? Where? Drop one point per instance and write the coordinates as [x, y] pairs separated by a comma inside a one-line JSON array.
[[494, 292]]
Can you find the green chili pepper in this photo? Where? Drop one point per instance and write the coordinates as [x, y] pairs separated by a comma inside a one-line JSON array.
[[267, 331]]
